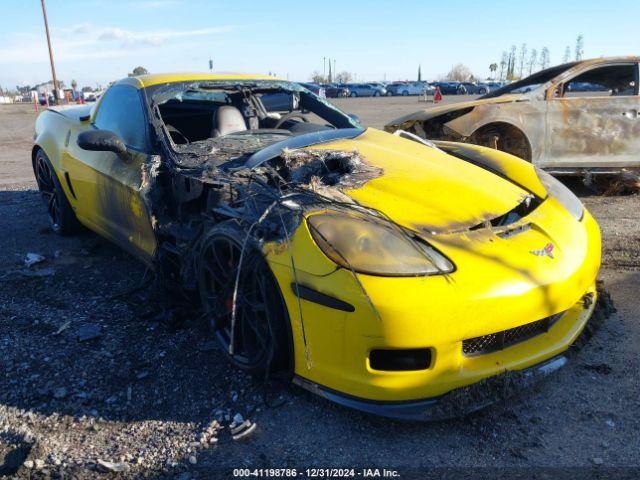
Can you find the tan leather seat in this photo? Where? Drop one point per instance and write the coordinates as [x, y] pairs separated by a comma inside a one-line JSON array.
[[228, 119]]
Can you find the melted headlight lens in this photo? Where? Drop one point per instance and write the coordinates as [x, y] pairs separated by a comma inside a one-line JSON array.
[[556, 189], [369, 245]]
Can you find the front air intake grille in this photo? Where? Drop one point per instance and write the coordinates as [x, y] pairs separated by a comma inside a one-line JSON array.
[[506, 338], [400, 360]]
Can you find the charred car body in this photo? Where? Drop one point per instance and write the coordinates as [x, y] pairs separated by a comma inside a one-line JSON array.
[[577, 118], [380, 271]]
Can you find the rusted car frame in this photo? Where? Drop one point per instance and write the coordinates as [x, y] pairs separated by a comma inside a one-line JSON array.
[[556, 129]]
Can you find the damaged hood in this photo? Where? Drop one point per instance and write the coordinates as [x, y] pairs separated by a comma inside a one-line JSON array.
[[424, 188], [429, 113]]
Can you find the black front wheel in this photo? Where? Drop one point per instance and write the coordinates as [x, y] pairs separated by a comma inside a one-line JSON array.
[[61, 216], [245, 309]]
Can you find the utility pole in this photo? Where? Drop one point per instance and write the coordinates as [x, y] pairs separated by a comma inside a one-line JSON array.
[[211, 64], [53, 68], [324, 68]]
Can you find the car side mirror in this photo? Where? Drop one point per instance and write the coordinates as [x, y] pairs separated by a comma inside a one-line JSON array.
[[353, 116], [102, 141]]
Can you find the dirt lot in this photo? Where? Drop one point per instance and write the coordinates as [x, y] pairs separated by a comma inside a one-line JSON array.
[[144, 392]]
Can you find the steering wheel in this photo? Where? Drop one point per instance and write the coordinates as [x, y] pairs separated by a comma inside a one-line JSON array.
[[289, 116]]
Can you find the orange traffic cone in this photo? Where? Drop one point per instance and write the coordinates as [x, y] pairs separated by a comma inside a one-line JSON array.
[[437, 95]]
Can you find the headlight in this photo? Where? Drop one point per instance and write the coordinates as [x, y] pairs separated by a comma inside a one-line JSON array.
[[556, 189], [369, 245]]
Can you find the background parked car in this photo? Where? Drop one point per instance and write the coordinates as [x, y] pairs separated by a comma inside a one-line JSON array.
[[447, 88], [585, 87], [381, 86], [471, 88], [365, 90], [315, 88], [406, 88], [564, 140], [333, 90], [494, 85]]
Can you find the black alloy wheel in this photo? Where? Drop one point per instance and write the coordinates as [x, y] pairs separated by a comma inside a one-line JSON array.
[[256, 340], [44, 177], [61, 215]]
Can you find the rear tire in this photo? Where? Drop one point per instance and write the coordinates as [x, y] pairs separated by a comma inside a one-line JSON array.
[[353, 94], [261, 333], [61, 216]]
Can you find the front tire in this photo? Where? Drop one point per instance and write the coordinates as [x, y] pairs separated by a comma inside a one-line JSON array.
[[61, 216], [353, 94], [504, 137], [258, 340], [405, 93]]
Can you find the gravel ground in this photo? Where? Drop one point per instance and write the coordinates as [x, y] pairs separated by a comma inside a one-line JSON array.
[[150, 396]]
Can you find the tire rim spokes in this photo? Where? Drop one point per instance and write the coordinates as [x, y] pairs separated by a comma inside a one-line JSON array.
[[252, 339], [44, 177]]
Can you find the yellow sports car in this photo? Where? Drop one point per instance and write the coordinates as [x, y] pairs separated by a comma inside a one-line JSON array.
[[379, 270]]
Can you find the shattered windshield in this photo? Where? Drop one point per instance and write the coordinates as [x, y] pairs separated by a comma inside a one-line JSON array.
[[217, 121], [531, 82]]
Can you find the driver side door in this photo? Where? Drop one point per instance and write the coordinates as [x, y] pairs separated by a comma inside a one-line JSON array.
[[108, 187]]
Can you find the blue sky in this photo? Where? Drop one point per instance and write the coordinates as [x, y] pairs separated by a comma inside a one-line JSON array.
[[96, 41]]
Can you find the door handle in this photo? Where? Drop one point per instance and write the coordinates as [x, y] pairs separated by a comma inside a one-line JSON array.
[[632, 114]]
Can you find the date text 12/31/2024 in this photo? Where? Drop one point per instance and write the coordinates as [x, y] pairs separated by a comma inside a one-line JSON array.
[[315, 473]]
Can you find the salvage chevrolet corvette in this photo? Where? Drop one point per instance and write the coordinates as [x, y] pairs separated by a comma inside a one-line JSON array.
[[379, 270]]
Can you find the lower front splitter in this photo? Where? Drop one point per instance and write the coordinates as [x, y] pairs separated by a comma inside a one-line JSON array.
[[455, 403]]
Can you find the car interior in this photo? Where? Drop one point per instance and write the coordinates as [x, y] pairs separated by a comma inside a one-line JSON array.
[[212, 110], [609, 80]]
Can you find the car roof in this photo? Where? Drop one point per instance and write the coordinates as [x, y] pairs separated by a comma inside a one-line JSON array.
[[143, 81]]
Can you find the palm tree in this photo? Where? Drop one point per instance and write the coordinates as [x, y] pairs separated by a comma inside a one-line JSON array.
[[492, 68]]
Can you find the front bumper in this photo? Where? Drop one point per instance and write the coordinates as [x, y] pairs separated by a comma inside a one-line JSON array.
[[456, 403], [499, 285]]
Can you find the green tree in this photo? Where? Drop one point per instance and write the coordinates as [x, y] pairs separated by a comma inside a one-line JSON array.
[[460, 73], [579, 51], [138, 71], [493, 68], [503, 64], [344, 77], [511, 66], [317, 77], [523, 55], [544, 58], [533, 58]]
